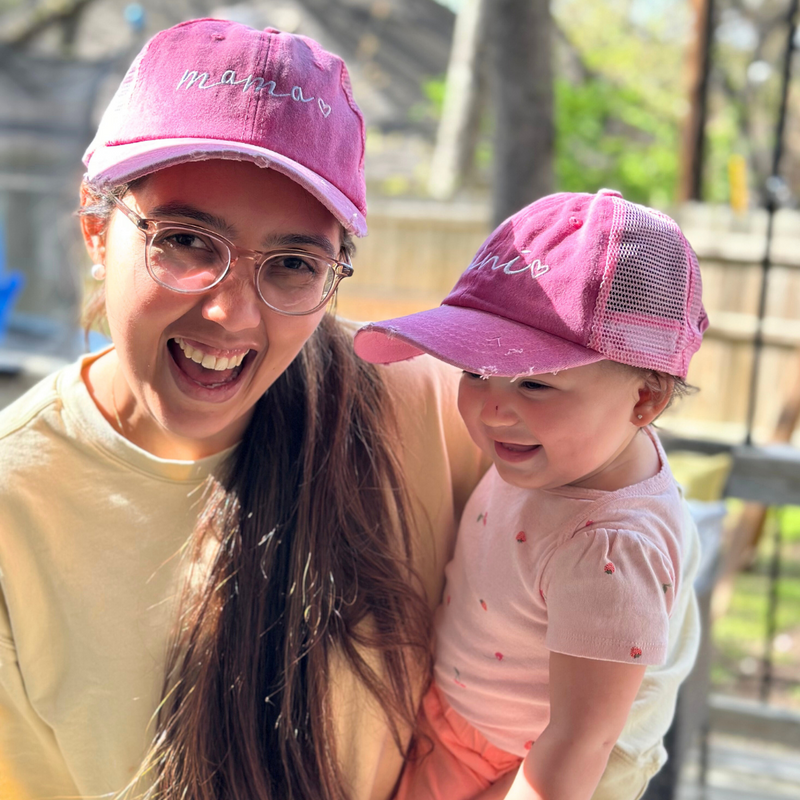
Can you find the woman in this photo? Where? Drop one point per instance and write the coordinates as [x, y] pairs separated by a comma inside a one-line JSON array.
[[217, 552]]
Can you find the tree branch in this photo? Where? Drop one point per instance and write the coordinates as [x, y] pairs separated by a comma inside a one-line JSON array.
[[42, 17]]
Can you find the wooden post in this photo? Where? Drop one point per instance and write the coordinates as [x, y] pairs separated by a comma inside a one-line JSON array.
[[699, 65], [522, 87]]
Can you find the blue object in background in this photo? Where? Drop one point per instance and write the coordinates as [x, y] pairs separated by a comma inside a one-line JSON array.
[[11, 284], [36, 334], [135, 16]]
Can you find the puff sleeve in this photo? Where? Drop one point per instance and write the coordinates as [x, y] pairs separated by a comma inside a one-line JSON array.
[[609, 595]]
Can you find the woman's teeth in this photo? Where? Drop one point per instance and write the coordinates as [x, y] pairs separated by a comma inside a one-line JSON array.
[[217, 363]]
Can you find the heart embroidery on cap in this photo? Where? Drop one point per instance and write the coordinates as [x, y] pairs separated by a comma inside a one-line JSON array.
[[324, 107], [538, 269]]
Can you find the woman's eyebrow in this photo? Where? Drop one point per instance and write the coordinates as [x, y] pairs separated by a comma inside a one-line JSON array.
[[293, 240], [190, 212]]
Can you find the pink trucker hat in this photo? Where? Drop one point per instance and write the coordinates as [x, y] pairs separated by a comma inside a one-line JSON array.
[[569, 280], [211, 88]]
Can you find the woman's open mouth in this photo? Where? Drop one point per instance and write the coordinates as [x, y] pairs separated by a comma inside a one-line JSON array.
[[206, 372]]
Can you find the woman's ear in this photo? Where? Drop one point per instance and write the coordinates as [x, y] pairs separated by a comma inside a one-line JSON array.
[[655, 392], [93, 229]]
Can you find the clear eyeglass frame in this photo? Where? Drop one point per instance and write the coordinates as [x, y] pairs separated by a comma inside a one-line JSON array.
[[151, 227]]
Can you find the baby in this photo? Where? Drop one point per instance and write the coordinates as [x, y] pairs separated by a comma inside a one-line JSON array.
[[569, 618]]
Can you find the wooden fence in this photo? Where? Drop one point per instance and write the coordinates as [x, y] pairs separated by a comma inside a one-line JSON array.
[[416, 251]]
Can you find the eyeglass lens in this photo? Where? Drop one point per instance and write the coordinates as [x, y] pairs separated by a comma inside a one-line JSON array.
[[190, 261]]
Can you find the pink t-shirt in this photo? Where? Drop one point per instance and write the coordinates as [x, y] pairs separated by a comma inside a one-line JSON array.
[[584, 572]]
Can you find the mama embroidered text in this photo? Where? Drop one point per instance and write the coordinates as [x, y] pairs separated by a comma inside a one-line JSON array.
[[193, 78]]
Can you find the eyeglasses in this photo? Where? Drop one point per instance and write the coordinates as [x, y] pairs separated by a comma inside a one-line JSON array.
[[189, 259]]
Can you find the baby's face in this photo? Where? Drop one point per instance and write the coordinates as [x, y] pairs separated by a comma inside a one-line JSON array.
[[575, 427]]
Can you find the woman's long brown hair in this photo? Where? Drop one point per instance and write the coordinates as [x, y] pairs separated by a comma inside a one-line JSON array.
[[302, 555], [304, 550]]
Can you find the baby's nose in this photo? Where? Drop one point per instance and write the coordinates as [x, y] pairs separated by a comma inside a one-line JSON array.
[[498, 414]]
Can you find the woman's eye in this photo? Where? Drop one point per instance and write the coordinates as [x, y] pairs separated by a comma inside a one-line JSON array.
[[187, 240], [295, 263]]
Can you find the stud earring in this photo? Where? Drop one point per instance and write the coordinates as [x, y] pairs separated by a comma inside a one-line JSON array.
[[98, 271], [638, 416]]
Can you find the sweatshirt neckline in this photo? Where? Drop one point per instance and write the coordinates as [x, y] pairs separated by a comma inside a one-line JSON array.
[[97, 431]]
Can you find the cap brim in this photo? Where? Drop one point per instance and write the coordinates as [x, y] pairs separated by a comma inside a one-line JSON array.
[[472, 340], [113, 164]]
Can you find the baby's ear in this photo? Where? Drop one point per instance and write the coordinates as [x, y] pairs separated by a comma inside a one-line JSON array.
[[655, 392], [93, 228]]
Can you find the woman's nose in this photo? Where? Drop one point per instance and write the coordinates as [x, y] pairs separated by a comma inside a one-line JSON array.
[[234, 304]]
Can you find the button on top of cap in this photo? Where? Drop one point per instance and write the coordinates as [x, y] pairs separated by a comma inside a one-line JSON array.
[[610, 192]]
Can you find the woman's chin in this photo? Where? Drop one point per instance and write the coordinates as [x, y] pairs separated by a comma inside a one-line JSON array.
[[187, 437], [190, 420]]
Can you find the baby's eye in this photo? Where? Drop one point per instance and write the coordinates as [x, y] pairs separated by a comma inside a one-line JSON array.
[[473, 375], [533, 385]]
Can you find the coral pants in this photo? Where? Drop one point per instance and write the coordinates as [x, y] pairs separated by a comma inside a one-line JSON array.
[[462, 763]]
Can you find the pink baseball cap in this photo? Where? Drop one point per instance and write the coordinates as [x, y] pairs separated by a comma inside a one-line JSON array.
[[569, 280], [211, 88]]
